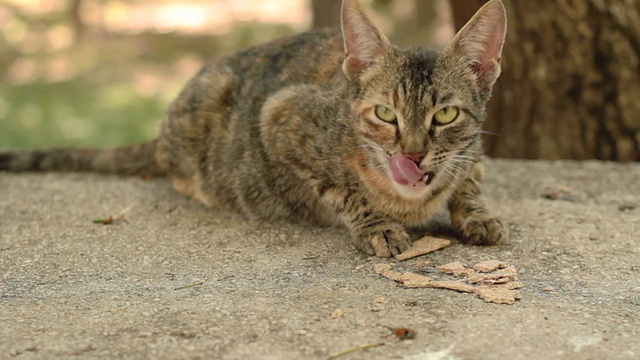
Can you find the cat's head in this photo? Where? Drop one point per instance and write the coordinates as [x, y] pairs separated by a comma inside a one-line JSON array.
[[418, 112]]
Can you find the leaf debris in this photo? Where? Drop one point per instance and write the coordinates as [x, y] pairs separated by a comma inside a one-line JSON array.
[[423, 246], [494, 281], [402, 333]]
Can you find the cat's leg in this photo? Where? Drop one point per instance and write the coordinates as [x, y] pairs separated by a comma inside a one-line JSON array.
[[383, 241], [197, 114], [469, 213], [374, 234]]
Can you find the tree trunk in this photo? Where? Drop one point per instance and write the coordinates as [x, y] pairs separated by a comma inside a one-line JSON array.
[[570, 85], [77, 23], [326, 13]]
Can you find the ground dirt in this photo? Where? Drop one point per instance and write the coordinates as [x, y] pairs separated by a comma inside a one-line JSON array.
[[180, 281]]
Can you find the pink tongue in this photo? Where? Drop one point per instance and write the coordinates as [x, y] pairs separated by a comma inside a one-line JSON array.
[[404, 170]]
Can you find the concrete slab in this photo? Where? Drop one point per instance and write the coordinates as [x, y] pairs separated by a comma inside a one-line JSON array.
[[70, 288]]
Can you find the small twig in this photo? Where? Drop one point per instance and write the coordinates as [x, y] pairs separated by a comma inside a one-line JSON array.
[[112, 219], [123, 213], [189, 286], [106, 221], [354, 349], [226, 277], [310, 257]]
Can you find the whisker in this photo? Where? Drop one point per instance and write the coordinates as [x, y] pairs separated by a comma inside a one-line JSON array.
[[464, 160], [488, 132], [462, 152], [455, 167], [446, 169], [465, 157]]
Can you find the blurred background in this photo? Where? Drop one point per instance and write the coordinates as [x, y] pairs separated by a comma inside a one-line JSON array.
[[101, 72]]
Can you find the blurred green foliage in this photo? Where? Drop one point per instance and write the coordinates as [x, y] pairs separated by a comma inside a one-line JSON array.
[[76, 113], [116, 87]]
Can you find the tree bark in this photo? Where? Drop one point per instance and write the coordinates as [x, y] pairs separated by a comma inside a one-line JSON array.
[[570, 85], [77, 23]]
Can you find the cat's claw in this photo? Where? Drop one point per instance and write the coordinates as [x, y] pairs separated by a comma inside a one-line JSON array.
[[383, 243], [484, 230]]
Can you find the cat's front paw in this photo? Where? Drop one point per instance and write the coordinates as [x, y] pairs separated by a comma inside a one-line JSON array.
[[386, 242], [484, 230]]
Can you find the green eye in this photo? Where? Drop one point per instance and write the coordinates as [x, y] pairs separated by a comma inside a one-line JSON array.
[[446, 115], [383, 113]]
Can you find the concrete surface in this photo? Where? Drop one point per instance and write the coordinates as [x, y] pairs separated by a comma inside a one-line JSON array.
[[73, 289]]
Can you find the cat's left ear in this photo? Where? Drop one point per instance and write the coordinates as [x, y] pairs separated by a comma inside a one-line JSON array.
[[480, 42], [363, 41]]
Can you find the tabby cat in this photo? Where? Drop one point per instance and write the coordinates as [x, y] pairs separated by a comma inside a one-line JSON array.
[[329, 127]]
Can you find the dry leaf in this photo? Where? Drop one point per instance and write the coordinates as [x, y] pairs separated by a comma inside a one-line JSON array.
[[415, 280], [496, 283], [489, 266], [512, 285], [381, 268], [423, 246], [453, 285], [402, 333], [385, 270], [337, 314], [393, 275], [496, 277], [498, 295], [455, 268]]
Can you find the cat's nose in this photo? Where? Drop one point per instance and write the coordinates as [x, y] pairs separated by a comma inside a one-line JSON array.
[[416, 156]]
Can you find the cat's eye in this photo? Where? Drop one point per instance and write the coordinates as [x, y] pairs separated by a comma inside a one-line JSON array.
[[446, 115], [385, 114]]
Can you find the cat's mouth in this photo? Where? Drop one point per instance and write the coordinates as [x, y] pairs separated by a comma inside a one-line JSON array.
[[428, 177], [406, 172]]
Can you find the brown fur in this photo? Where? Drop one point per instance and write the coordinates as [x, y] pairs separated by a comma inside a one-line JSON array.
[[288, 130]]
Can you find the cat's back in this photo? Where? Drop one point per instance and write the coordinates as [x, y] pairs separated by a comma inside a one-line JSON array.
[[312, 57], [211, 136]]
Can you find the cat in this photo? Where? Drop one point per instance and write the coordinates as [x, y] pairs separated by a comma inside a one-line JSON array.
[[331, 127]]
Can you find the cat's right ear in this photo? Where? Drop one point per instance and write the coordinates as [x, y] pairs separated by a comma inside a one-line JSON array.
[[363, 41]]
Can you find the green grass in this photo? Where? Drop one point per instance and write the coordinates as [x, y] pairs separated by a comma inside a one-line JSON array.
[[76, 113]]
